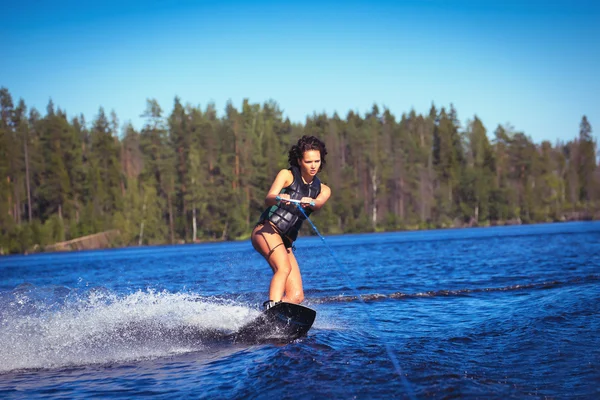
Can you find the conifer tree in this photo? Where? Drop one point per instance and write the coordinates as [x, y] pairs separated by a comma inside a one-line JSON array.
[[586, 163]]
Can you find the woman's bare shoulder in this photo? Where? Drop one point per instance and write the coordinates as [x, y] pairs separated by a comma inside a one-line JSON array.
[[285, 176]]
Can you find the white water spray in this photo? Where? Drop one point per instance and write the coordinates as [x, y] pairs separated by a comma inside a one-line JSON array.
[[103, 327]]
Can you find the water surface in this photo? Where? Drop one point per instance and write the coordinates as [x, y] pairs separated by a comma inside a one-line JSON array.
[[477, 313]]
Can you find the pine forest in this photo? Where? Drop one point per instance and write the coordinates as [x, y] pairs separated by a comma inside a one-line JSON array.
[[196, 174]]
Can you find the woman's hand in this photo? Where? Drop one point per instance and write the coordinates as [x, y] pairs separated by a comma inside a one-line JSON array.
[[307, 201], [283, 197]]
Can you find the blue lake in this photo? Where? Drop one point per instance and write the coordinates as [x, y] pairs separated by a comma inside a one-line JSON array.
[[476, 313]]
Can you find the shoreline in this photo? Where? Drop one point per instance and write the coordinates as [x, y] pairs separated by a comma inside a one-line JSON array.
[[109, 239]]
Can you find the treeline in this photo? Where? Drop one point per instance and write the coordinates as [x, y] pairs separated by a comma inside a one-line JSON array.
[[192, 175]]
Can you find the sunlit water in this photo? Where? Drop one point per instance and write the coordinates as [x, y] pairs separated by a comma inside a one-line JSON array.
[[479, 313]]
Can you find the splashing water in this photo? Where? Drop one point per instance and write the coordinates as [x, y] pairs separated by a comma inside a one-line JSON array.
[[58, 327]]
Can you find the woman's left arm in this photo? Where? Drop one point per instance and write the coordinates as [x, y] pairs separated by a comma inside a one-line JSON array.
[[321, 198]]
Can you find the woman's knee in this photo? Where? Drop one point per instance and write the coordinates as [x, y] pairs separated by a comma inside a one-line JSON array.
[[295, 297], [282, 268]]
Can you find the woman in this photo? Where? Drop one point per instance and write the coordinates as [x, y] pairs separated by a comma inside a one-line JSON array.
[[278, 226]]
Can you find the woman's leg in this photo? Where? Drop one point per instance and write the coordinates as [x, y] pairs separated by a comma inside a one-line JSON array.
[[293, 285], [267, 241]]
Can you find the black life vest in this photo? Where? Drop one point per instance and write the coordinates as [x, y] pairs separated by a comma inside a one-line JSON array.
[[288, 219]]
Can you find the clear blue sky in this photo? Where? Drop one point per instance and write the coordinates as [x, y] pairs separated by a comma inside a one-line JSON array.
[[533, 65]]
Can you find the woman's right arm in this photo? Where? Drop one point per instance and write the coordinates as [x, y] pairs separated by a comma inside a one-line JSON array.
[[283, 179]]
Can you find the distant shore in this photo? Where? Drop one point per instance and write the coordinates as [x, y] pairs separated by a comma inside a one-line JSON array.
[[111, 238]]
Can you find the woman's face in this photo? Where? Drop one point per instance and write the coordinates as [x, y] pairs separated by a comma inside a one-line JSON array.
[[310, 162]]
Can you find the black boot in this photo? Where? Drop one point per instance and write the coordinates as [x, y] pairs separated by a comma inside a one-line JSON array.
[[269, 303]]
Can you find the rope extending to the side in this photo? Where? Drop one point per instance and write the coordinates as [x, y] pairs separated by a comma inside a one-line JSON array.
[[372, 321]]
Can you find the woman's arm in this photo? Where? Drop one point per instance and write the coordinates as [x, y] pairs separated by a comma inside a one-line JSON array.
[[320, 200], [283, 179]]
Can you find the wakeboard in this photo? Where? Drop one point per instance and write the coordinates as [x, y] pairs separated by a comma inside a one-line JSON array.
[[283, 321]]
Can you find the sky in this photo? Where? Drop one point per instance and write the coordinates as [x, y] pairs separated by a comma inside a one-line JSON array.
[[528, 65]]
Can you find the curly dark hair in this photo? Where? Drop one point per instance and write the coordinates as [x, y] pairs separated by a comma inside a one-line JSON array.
[[304, 144]]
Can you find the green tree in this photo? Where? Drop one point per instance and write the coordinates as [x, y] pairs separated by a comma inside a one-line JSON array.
[[159, 166], [6, 221], [447, 159], [478, 174], [586, 163], [104, 172]]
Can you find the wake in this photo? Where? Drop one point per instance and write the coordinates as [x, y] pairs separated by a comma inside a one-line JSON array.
[[44, 328], [371, 297]]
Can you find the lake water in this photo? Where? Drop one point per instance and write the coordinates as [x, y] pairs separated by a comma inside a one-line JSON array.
[[477, 313]]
